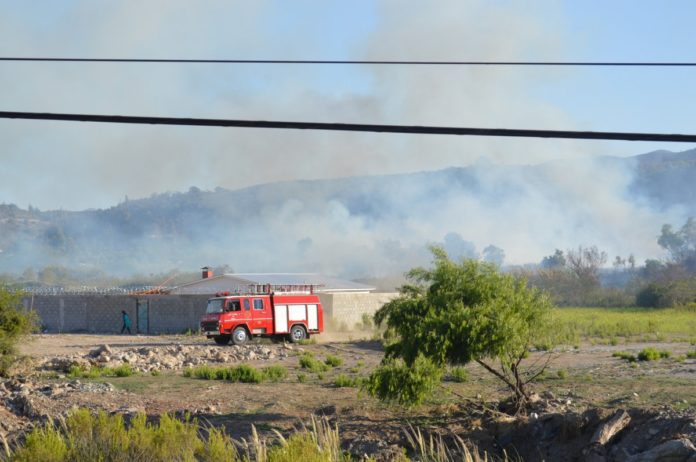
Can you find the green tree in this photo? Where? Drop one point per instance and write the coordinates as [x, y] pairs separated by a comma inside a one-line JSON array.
[[456, 313], [681, 244], [493, 254], [15, 324], [557, 260]]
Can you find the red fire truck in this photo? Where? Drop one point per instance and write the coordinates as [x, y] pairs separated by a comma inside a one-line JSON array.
[[289, 311]]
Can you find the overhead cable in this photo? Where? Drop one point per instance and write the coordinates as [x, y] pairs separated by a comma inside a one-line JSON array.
[[350, 127], [355, 62]]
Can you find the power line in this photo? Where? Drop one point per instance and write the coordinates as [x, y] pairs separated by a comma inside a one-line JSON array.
[[357, 62], [409, 129]]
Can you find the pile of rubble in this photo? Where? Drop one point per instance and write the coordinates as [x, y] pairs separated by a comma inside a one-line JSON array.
[[174, 357]]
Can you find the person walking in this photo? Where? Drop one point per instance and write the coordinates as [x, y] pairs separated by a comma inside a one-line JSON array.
[[126, 323]]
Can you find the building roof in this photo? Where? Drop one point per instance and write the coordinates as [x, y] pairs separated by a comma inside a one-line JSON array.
[[239, 282]]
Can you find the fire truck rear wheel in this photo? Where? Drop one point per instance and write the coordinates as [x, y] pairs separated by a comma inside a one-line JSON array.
[[240, 336], [297, 334], [222, 339]]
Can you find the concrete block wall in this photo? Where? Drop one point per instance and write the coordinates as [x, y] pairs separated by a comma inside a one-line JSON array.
[[347, 309], [102, 313], [176, 313], [171, 313]]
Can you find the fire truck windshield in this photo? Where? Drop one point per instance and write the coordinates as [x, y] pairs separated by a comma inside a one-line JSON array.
[[215, 306]]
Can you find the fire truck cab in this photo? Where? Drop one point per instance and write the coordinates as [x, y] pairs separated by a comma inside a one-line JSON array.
[[264, 312]]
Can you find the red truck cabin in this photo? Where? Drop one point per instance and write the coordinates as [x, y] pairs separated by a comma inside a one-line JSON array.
[[240, 317]]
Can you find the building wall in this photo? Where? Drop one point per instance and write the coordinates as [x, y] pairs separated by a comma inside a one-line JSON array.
[[102, 313], [345, 310], [171, 313]]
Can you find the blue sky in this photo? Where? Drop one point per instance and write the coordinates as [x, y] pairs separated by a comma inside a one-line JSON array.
[[76, 166]]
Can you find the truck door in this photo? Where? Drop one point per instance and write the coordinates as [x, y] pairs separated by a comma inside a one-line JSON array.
[[262, 319]]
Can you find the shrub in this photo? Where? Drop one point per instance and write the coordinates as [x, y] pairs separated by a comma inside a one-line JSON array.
[[624, 355], [242, 373], [275, 373], [562, 374], [124, 370], [691, 354], [343, 380], [15, 324], [459, 374], [312, 364], [44, 444], [367, 321], [333, 361], [247, 374], [652, 354], [302, 378], [394, 381]]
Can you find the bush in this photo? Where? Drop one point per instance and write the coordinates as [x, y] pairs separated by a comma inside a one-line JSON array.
[[691, 355], [342, 381], [309, 362], [124, 370], [302, 378], [44, 444], [246, 374], [243, 373], [562, 374], [367, 321], [394, 381], [624, 355], [15, 324], [81, 372], [333, 361], [275, 373], [651, 354], [459, 374]]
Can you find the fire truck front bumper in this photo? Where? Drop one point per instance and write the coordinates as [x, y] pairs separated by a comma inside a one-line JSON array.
[[210, 328]]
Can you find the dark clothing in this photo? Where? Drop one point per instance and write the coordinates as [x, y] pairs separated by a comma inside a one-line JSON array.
[[126, 324]]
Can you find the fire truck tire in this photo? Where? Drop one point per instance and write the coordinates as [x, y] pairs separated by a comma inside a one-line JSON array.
[[222, 339], [240, 336], [297, 333]]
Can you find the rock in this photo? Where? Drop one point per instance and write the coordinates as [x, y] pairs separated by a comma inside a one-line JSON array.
[[680, 450], [101, 349], [609, 429]]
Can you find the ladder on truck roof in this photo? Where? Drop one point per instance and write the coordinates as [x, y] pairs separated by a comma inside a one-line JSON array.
[[284, 288], [268, 289]]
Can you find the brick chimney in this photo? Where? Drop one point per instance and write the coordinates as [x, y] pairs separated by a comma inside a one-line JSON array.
[[207, 272]]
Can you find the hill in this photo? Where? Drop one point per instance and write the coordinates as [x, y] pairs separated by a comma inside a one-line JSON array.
[[370, 225]]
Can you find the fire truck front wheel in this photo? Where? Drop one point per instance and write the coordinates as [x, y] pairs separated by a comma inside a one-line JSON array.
[[240, 336], [297, 334]]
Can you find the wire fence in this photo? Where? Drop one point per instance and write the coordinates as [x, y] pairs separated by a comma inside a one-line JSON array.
[[87, 290]]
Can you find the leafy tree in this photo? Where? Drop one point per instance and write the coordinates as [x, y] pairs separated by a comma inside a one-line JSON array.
[[557, 260], [681, 244], [584, 263], [458, 248], [493, 254], [15, 324], [456, 313]]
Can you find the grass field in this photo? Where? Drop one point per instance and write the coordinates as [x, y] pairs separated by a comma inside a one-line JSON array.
[[637, 324]]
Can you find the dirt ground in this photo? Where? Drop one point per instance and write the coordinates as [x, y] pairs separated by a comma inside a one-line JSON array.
[[586, 381]]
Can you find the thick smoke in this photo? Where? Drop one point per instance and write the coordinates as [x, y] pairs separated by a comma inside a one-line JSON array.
[[568, 202]]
